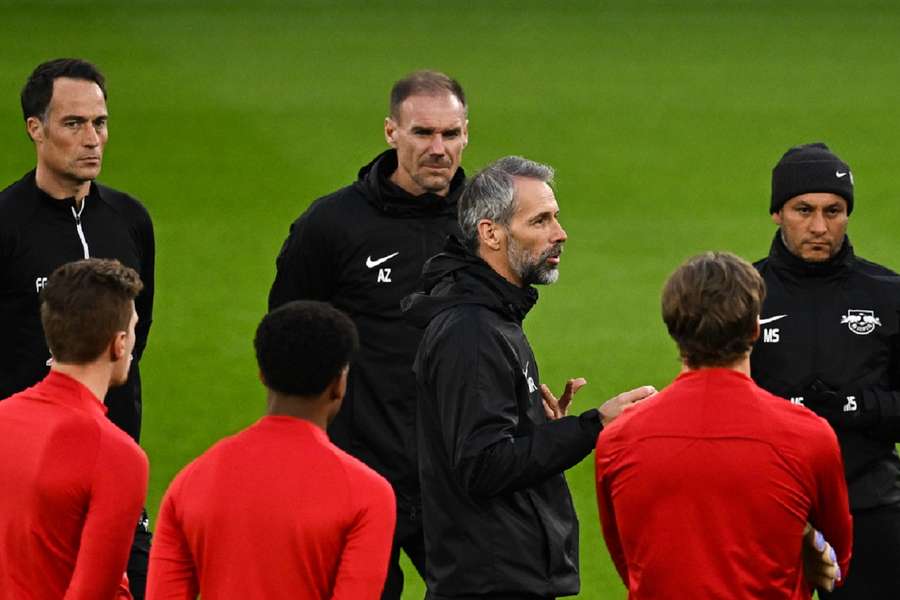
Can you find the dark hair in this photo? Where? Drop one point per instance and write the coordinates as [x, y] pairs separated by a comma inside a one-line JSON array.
[[38, 90], [84, 305], [302, 346], [429, 83], [711, 306]]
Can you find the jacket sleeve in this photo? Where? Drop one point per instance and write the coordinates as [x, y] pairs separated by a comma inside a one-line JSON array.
[[367, 548], [144, 302], [491, 451], [608, 514], [830, 511], [172, 574], [117, 494], [306, 267]]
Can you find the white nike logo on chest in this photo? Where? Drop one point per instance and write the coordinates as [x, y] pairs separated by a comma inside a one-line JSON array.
[[374, 263], [771, 319]]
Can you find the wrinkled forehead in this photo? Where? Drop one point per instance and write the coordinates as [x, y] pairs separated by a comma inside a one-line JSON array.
[[433, 111], [533, 197], [77, 97]]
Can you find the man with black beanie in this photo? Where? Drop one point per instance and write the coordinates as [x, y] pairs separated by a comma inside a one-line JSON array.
[[830, 340]]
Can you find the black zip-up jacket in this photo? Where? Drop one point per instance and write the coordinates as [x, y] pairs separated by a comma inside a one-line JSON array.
[[362, 249], [39, 233], [496, 509], [830, 339]]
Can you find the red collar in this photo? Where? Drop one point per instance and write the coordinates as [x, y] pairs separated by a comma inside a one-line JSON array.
[[59, 388]]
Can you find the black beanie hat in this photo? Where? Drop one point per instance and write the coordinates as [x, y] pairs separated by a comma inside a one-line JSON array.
[[810, 168]]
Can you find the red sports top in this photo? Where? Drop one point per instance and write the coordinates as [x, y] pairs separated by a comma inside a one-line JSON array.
[[705, 488], [276, 511], [72, 489]]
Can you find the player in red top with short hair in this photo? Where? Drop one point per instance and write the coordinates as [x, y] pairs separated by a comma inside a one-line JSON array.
[[278, 511], [73, 484], [705, 489]]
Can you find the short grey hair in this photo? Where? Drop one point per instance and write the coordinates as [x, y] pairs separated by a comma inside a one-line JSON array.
[[491, 194]]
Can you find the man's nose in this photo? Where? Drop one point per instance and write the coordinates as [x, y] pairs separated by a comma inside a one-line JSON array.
[[559, 235], [818, 223], [437, 144], [90, 136]]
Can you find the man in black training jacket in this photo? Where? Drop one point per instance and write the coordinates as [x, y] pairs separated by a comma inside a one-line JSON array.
[[830, 340], [362, 249], [56, 214], [493, 442]]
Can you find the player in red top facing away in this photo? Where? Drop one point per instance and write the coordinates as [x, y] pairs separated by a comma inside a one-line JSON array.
[[278, 511], [73, 483], [705, 490]]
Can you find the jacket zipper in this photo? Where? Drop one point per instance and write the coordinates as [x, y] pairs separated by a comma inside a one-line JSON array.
[[77, 215]]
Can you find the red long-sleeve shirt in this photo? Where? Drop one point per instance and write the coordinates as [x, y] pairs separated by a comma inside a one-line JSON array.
[[72, 485], [276, 511], [704, 491]]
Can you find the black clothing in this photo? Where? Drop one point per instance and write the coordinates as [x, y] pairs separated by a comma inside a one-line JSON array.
[[836, 345], [408, 536], [497, 512], [39, 233], [873, 567], [362, 249], [830, 339], [139, 558]]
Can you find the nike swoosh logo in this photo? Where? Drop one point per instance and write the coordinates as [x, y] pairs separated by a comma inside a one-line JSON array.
[[374, 263], [771, 319], [838, 174]]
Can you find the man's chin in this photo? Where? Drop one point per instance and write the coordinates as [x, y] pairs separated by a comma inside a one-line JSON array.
[[544, 277], [434, 184]]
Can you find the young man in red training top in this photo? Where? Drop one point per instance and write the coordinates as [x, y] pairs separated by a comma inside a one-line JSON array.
[[278, 511], [705, 490], [73, 483]]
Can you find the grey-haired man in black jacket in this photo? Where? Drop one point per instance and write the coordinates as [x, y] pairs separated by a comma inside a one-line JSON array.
[[493, 441]]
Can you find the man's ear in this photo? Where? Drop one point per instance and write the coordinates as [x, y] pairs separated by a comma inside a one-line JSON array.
[[117, 346], [490, 234], [338, 387], [756, 332], [776, 217], [35, 129], [390, 131]]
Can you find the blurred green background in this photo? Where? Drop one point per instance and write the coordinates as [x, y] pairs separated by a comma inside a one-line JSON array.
[[663, 120]]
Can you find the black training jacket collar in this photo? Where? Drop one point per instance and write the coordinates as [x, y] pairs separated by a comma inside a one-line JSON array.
[[375, 183], [457, 276], [784, 260], [55, 204]]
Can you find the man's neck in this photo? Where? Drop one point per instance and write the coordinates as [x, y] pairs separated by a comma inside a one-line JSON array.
[[300, 407], [741, 365], [92, 376], [500, 266], [60, 188]]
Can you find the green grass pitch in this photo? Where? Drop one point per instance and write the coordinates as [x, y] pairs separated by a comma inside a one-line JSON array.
[[663, 120]]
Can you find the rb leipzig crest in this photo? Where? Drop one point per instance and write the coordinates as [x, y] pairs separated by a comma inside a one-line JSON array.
[[861, 322]]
